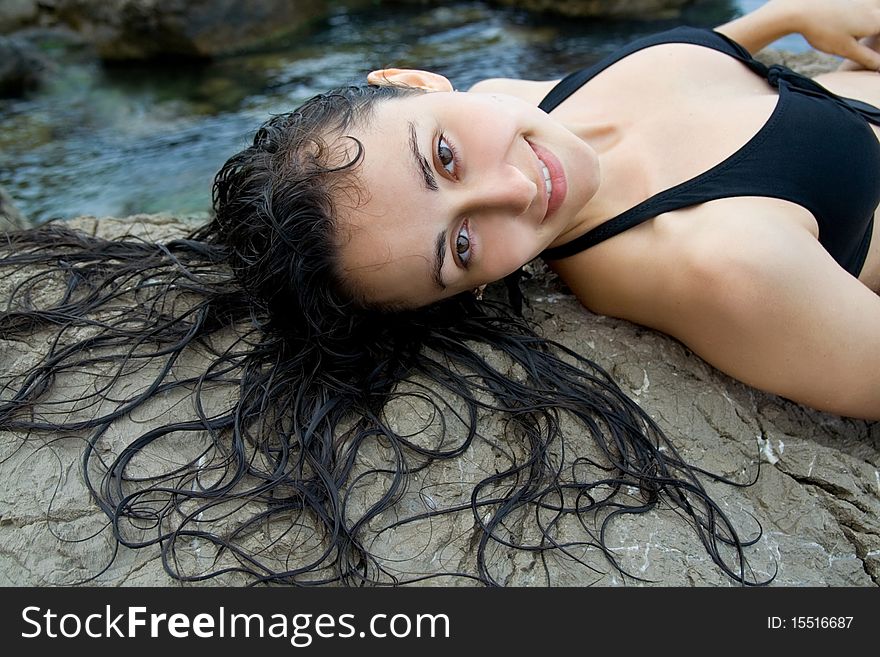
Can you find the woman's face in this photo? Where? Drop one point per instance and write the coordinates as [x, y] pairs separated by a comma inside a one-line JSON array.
[[454, 194]]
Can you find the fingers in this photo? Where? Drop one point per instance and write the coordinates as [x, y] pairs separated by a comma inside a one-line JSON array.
[[863, 54]]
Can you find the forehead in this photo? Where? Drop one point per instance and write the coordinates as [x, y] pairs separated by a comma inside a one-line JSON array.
[[388, 229]]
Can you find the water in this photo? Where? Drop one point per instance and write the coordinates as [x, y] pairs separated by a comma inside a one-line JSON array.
[[122, 140]]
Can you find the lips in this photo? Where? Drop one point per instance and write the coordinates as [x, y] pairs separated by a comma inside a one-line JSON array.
[[551, 172]]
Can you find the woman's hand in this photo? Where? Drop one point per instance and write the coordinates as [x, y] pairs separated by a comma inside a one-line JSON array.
[[838, 26], [832, 26]]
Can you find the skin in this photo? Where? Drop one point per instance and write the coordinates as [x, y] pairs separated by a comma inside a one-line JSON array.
[[743, 282], [494, 183]]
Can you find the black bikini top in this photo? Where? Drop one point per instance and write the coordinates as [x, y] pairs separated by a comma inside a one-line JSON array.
[[816, 150]]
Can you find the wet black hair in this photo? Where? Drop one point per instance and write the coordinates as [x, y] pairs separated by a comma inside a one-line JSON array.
[[293, 385]]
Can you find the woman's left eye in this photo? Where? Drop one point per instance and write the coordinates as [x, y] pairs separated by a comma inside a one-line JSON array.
[[446, 155], [463, 244]]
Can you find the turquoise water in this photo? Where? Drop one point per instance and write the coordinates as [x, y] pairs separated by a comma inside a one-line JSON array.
[[122, 140]]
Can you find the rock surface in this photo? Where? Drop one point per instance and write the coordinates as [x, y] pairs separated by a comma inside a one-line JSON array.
[[15, 14], [145, 29], [817, 495], [10, 216], [22, 67], [141, 29]]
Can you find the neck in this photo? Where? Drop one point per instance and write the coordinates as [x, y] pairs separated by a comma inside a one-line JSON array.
[[602, 136], [620, 173]]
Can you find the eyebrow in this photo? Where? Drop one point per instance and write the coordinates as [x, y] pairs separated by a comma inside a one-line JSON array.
[[430, 184], [439, 258], [421, 162]]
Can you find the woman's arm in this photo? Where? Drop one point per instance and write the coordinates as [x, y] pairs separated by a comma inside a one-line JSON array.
[[832, 26], [765, 303]]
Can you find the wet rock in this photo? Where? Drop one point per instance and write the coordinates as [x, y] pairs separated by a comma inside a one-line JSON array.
[[10, 216], [142, 29], [15, 14], [22, 67], [815, 501]]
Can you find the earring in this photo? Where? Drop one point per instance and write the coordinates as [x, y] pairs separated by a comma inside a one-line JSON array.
[[478, 292]]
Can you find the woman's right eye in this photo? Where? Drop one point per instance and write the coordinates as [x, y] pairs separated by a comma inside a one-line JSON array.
[[446, 155]]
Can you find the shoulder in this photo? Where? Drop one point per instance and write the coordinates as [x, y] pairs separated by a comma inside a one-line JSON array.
[[712, 256], [532, 91]]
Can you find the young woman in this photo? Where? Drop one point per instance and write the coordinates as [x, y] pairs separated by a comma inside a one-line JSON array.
[[678, 184], [346, 243]]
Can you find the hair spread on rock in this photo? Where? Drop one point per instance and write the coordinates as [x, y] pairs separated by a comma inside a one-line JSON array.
[[281, 440]]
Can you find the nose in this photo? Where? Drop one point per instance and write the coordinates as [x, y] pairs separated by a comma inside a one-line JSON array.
[[503, 188]]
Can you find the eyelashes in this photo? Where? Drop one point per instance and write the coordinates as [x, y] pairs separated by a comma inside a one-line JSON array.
[[447, 158], [463, 244]]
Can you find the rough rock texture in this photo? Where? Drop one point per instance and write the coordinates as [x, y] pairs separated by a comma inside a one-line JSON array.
[[139, 29], [816, 496], [643, 9], [810, 63]]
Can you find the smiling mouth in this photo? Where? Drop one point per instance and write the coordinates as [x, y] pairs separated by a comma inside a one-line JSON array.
[[553, 176]]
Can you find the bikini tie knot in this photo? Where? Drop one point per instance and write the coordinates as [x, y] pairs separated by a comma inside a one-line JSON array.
[[779, 75]]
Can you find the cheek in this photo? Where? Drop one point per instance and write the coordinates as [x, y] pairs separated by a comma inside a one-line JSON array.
[[492, 129], [507, 246]]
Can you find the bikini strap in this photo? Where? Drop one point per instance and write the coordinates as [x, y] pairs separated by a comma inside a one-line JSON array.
[[697, 36]]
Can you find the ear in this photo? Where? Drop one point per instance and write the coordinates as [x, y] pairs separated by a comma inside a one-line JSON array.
[[410, 77]]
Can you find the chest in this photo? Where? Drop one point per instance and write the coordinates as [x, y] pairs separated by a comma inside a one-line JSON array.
[[723, 132], [676, 111]]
